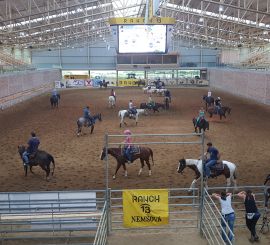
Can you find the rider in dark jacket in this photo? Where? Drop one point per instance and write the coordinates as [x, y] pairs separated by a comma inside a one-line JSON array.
[[87, 116], [32, 148]]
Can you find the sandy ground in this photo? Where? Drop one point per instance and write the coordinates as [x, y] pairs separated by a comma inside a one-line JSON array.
[[242, 138]]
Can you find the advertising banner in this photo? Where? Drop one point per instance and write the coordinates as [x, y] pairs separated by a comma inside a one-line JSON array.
[[145, 207], [72, 83], [88, 83]]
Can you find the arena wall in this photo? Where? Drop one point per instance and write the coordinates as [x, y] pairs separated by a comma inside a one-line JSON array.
[[18, 87], [249, 84]]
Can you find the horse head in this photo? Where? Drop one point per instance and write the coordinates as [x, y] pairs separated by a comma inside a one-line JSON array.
[[21, 149], [103, 154], [181, 165]]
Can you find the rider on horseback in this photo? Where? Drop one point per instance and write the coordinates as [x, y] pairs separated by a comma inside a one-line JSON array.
[[212, 160], [200, 117], [151, 102], [32, 148], [113, 94], [217, 105], [168, 95], [87, 116], [127, 145], [131, 109]]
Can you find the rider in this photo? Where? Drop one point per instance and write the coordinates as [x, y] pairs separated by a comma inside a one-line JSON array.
[[132, 109], [151, 102], [217, 105], [54, 92], [113, 94], [127, 145], [212, 160], [201, 116], [87, 116], [32, 148], [168, 94]]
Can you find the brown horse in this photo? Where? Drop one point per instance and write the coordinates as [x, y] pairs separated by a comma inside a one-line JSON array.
[[144, 155], [41, 158]]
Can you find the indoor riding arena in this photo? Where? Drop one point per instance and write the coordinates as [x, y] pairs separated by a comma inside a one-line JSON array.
[[164, 59]]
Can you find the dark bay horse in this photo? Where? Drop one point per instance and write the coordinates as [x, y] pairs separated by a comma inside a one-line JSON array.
[[154, 108], [228, 169], [144, 155], [202, 124], [209, 101], [54, 99], [221, 112], [81, 122], [41, 158]]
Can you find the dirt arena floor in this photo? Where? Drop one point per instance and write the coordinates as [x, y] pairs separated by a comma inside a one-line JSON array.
[[242, 138]]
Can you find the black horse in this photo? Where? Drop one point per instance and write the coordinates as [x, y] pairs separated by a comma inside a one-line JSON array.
[[209, 101], [144, 153], [154, 107], [41, 158], [82, 122], [221, 112], [54, 99], [202, 124], [167, 102]]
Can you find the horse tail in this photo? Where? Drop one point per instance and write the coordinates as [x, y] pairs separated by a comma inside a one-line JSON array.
[[52, 160], [151, 154]]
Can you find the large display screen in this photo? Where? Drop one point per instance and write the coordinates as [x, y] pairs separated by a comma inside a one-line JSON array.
[[142, 38]]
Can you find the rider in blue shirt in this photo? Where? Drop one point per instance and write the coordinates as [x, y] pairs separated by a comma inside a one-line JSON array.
[[32, 148], [87, 115], [214, 156]]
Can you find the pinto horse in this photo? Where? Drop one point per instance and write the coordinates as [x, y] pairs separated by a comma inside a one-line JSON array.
[[82, 122], [228, 169], [209, 101], [144, 155], [54, 100], [41, 158], [202, 124]]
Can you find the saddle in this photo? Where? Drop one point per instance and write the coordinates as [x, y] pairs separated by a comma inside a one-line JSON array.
[[217, 168], [134, 150]]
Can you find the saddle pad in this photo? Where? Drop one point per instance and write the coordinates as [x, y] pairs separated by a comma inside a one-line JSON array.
[[218, 167], [135, 150]]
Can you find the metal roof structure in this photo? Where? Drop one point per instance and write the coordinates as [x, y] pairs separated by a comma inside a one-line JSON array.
[[53, 23]]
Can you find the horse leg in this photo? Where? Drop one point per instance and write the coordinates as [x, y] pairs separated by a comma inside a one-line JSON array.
[[31, 170], [149, 167], [193, 183], [228, 180], [117, 168], [92, 128], [142, 165], [25, 170]]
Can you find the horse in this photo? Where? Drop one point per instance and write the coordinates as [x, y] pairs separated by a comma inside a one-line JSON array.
[[83, 122], [226, 109], [140, 83], [111, 101], [228, 169], [209, 101], [202, 124], [54, 99], [124, 113], [155, 107], [221, 112], [41, 158], [143, 154]]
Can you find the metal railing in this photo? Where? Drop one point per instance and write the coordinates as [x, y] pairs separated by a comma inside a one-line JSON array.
[[102, 230], [211, 223], [72, 215]]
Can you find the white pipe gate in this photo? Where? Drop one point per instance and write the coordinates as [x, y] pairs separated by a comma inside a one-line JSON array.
[[178, 212]]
